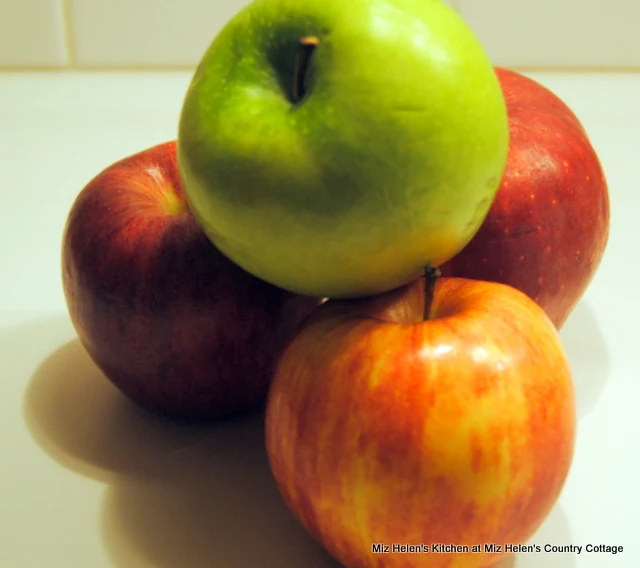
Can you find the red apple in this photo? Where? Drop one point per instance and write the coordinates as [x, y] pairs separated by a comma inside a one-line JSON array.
[[548, 227], [384, 427], [174, 324]]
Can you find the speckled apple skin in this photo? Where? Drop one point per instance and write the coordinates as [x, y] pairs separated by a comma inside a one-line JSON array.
[[548, 228], [384, 428], [174, 324]]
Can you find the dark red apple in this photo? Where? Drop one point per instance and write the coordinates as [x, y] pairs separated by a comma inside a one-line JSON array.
[[548, 227], [173, 323]]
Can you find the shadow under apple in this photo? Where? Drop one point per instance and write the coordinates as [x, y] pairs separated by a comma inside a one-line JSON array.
[[192, 496], [588, 357], [215, 504], [179, 495], [86, 424]]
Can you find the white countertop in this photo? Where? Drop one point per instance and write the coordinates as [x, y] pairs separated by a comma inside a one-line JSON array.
[[86, 481]]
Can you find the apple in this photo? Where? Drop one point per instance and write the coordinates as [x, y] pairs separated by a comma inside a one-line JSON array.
[[548, 228], [385, 425], [335, 148], [172, 322]]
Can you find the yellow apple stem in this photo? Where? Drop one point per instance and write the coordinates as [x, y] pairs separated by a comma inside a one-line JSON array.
[[431, 275], [306, 47]]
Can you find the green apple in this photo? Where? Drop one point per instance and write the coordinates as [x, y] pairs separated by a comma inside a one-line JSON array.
[[336, 148]]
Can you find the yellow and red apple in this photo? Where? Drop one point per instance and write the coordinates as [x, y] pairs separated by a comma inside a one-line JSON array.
[[385, 426], [173, 323], [548, 227]]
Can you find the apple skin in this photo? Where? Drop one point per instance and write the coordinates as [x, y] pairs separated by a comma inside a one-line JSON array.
[[174, 324], [387, 164], [385, 428], [548, 228]]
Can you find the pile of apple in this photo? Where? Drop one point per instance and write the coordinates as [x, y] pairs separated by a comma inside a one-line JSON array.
[[452, 214]]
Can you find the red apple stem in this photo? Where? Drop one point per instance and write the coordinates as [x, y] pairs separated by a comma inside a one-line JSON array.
[[306, 47], [431, 275]]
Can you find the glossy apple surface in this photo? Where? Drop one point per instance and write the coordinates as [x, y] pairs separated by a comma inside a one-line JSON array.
[[384, 427], [335, 148], [169, 320], [548, 227]]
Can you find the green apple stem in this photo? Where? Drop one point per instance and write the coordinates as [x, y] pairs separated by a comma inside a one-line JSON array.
[[306, 47], [431, 275]]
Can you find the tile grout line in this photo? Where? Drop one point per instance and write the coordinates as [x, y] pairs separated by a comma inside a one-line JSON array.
[[96, 68], [176, 68], [573, 68], [68, 34]]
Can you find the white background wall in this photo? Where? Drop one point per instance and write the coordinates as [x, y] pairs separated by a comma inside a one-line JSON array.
[[542, 34]]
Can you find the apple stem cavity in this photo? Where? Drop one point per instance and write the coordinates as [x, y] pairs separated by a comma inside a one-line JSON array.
[[173, 205], [306, 47], [431, 275]]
